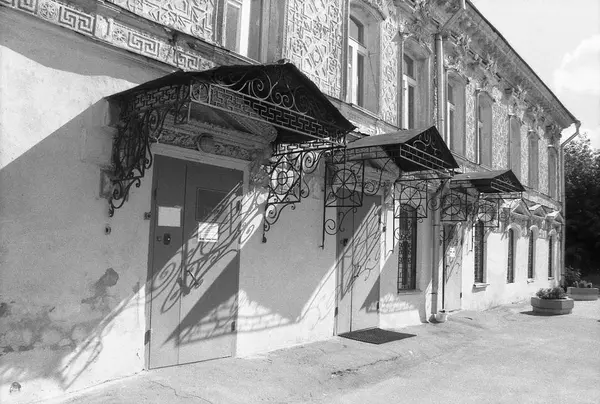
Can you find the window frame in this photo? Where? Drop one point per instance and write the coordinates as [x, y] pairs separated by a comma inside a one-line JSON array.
[[514, 137], [552, 173], [551, 257], [483, 127], [531, 256], [407, 276], [409, 102], [479, 261], [511, 256], [533, 168], [357, 50]]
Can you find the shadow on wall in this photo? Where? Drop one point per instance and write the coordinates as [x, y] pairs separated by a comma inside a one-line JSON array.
[[60, 295]]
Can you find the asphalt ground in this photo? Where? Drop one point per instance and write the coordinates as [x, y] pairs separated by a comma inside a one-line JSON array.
[[502, 355]]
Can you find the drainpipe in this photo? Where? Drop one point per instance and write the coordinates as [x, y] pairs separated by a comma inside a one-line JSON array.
[[564, 199], [441, 126]]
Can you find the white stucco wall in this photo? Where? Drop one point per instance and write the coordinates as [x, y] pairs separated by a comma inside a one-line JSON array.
[[287, 285], [72, 297], [498, 291]]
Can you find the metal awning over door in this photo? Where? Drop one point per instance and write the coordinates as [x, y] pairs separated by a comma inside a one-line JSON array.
[[480, 195], [419, 156], [270, 96]]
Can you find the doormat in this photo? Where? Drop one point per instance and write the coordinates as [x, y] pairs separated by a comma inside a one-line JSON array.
[[376, 336]]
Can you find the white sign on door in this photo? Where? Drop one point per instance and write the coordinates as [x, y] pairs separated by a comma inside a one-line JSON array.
[[208, 232]]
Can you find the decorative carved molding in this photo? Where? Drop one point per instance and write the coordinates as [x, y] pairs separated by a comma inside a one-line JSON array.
[[314, 41], [113, 32], [195, 17]]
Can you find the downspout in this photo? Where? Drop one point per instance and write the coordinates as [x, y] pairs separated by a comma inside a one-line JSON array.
[[563, 198], [441, 126]]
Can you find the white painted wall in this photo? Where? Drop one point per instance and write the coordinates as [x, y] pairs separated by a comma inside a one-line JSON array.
[[64, 326], [287, 285], [498, 291]]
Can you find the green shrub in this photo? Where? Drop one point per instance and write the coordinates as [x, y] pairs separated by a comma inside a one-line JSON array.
[[551, 293], [571, 278]]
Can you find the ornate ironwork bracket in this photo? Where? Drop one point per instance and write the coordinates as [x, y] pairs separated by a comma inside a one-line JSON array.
[[142, 122], [287, 184], [346, 185]]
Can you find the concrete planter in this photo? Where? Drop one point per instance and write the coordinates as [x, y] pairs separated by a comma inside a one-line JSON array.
[[552, 306], [441, 316], [582, 293]]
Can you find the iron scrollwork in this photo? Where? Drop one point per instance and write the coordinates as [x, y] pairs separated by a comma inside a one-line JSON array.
[[143, 119], [287, 183]]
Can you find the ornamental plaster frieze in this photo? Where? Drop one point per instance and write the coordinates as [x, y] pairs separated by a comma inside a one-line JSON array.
[[107, 29], [247, 140], [196, 18]]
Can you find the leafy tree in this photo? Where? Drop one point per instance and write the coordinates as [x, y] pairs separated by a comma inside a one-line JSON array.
[[582, 189]]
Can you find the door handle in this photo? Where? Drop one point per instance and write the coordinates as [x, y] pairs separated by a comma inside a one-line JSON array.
[[167, 239]]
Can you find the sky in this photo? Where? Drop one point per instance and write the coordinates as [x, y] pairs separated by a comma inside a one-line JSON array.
[[560, 41]]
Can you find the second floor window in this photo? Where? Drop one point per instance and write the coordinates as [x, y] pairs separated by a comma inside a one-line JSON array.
[[357, 53], [242, 27], [533, 161], [409, 82], [484, 130], [451, 114], [552, 186], [515, 146], [455, 114]]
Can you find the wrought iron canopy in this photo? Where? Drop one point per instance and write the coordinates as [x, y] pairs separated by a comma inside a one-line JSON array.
[[489, 182], [276, 97], [278, 94], [412, 150]]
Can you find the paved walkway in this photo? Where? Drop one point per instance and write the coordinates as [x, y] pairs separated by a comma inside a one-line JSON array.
[[503, 355]]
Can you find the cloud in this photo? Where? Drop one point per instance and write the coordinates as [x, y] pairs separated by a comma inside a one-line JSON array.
[[579, 71]]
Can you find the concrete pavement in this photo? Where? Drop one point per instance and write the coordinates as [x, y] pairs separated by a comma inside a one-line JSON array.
[[503, 355]]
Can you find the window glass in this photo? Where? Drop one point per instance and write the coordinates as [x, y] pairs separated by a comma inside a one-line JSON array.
[[479, 248], [510, 273], [232, 24], [515, 146], [357, 31], [530, 257], [551, 257], [409, 66], [407, 247]]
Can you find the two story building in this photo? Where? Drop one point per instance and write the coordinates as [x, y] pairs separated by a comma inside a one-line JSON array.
[[183, 181]]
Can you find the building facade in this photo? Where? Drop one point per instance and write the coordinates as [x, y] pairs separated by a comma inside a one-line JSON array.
[[184, 181]]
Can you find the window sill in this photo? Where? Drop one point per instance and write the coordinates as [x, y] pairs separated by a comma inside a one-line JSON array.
[[410, 292], [530, 280], [480, 285]]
